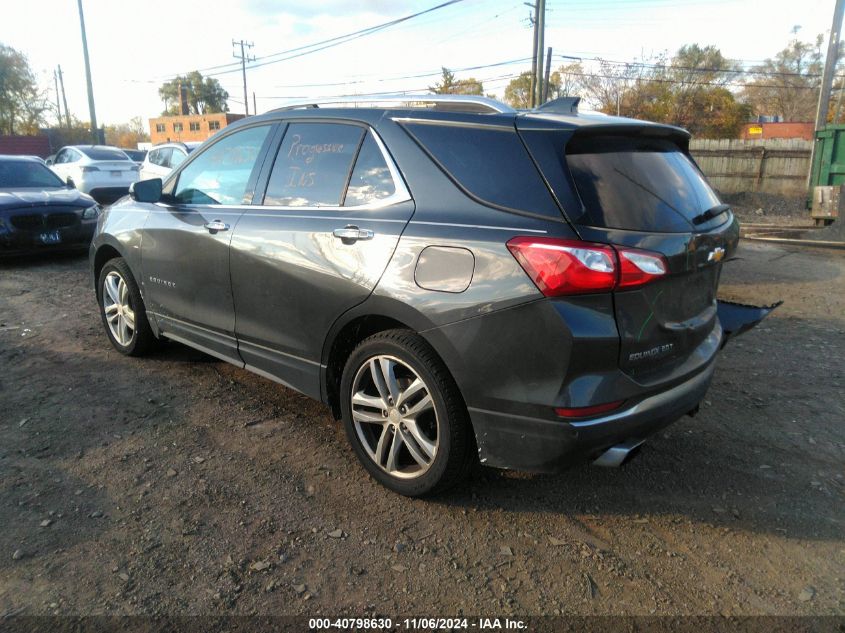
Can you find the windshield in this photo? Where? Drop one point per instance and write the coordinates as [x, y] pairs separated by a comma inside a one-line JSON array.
[[23, 174], [638, 184], [103, 153]]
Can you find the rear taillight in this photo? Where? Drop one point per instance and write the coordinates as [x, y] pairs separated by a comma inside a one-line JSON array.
[[563, 267], [87, 169], [569, 267], [638, 267]]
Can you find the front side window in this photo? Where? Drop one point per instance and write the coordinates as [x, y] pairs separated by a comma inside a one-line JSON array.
[[162, 157], [371, 180], [221, 174], [313, 165]]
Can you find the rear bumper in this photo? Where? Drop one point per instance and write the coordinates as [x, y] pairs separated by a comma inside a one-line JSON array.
[[541, 445]]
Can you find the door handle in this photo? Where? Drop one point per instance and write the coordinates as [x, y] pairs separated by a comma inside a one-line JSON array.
[[216, 225], [351, 234]]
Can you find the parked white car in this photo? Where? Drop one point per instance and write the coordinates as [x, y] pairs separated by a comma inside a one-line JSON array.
[[103, 172], [164, 158]]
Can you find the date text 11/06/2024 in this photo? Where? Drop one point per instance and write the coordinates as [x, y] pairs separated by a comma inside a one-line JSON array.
[[426, 624]]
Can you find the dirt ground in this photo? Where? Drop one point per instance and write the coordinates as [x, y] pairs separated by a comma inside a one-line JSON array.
[[178, 484]]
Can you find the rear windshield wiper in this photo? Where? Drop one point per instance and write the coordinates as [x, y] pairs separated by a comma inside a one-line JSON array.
[[711, 213]]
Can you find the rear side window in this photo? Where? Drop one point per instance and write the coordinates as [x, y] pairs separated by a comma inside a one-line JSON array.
[[637, 184], [313, 165], [490, 163]]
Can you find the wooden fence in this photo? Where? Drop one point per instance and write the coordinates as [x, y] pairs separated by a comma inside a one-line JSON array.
[[778, 166]]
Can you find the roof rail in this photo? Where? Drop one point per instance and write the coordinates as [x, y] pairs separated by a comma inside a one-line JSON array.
[[447, 102]]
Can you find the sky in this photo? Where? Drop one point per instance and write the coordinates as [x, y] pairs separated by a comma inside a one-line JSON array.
[[135, 46]]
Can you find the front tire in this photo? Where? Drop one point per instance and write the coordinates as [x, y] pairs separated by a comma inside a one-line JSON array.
[[404, 415], [122, 310]]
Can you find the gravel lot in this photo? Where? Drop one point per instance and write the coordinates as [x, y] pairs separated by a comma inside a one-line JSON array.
[[178, 484]]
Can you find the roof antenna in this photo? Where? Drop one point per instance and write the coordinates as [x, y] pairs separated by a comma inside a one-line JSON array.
[[561, 105]]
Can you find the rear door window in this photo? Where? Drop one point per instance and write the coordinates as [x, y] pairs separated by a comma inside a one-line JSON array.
[[638, 184], [488, 162], [371, 180], [313, 165]]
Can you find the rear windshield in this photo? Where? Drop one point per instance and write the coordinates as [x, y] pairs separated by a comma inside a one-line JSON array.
[[638, 184], [490, 163], [23, 174], [103, 153]]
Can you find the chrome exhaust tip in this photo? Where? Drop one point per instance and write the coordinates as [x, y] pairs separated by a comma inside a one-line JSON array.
[[617, 455]]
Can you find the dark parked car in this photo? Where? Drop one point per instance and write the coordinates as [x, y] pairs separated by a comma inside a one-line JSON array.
[[456, 281], [38, 211]]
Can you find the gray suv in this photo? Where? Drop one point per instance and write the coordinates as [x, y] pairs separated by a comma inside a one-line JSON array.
[[455, 279]]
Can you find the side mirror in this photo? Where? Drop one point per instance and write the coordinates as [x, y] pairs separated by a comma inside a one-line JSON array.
[[146, 190], [48, 162], [69, 183]]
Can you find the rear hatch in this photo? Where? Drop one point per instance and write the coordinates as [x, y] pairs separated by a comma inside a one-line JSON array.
[[636, 186]]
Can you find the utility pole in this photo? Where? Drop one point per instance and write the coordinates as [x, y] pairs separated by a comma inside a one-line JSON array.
[[541, 27], [254, 106], [244, 59], [64, 96], [91, 111], [546, 77], [58, 98], [829, 65], [533, 89], [827, 77]]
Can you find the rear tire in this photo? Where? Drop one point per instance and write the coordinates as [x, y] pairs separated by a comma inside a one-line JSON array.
[[404, 415], [122, 310]]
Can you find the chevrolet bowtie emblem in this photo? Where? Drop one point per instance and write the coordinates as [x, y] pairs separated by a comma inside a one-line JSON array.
[[716, 255]]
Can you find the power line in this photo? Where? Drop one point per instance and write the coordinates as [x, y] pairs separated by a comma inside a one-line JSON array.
[[324, 44]]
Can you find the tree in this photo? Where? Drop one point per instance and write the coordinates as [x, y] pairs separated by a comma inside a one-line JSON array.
[[22, 103], [449, 85], [127, 134], [518, 91], [203, 95], [788, 85], [566, 81], [688, 90], [605, 88]]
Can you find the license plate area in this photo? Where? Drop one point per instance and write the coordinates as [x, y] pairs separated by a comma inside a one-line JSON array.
[[116, 174], [50, 237]]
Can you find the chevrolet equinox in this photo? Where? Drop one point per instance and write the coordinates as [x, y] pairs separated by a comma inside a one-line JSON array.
[[457, 280]]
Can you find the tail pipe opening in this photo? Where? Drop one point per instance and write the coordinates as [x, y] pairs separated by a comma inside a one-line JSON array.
[[617, 455]]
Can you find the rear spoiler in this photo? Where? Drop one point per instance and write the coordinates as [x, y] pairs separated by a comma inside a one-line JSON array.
[[738, 318]]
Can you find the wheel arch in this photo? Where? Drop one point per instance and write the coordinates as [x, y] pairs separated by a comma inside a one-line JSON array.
[[375, 315]]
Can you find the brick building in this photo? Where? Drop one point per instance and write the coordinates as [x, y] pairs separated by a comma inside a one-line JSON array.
[[189, 127], [781, 129]]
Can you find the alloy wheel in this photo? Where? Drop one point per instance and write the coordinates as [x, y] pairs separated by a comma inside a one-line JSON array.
[[117, 307], [394, 417]]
